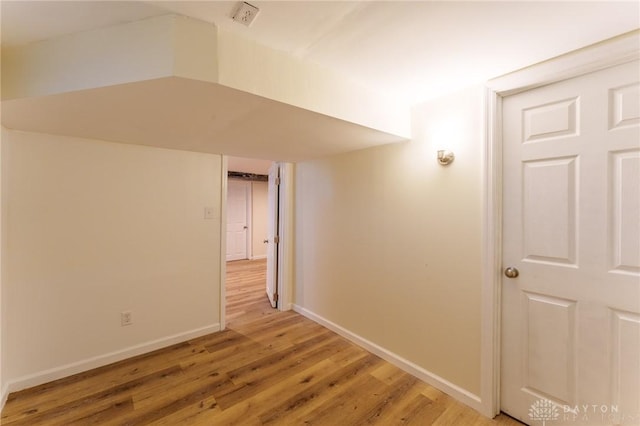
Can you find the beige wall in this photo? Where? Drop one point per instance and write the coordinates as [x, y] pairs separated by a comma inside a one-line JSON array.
[[93, 229], [146, 49], [248, 65], [388, 242], [259, 212]]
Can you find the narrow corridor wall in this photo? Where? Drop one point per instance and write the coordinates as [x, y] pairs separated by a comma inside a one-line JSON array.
[[388, 242]]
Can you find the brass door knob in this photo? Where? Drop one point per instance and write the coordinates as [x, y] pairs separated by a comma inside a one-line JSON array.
[[511, 272]]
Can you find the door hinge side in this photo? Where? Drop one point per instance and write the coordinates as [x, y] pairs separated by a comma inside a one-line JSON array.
[[276, 239], [278, 181], [275, 297]]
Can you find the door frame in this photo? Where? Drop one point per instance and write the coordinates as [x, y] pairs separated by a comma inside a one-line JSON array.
[[285, 248], [222, 293], [615, 51]]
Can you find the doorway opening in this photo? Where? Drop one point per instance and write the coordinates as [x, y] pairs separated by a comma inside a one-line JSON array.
[[254, 227]]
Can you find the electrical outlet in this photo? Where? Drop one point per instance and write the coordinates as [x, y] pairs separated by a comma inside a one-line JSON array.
[[246, 13], [126, 318]]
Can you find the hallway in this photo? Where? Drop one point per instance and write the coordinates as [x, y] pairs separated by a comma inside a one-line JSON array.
[[346, 385], [268, 367]]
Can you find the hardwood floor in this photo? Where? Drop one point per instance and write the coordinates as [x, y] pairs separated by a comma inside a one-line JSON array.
[[268, 367]]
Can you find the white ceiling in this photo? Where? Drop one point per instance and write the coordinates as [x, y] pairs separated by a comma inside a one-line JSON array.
[[416, 49]]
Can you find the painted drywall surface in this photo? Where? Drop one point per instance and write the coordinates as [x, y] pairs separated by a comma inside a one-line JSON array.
[[259, 211], [195, 49], [251, 67], [93, 229], [157, 47], [167, 46], [134, 51], [388, 242]]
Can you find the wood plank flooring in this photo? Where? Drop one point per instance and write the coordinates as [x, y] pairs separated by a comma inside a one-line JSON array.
[[268, 367]]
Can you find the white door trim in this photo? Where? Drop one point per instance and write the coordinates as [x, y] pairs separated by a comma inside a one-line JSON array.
[[223, 242], [608, 53], [249, 192]]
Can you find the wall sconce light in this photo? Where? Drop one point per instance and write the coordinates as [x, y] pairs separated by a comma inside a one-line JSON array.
[[445, 157]]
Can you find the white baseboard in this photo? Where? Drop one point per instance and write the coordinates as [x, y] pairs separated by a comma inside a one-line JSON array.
[[434, 380], [262, 256], [101, 360], [4, 394]]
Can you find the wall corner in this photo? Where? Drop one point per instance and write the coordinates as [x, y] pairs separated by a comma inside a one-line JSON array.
[[195, 47]]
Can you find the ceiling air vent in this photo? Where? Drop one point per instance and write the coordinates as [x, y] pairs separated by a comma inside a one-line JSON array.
[[246, 13]]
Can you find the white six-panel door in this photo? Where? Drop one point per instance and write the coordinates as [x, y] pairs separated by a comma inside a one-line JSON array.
[[273, 201], [571, 204], [237, 219]]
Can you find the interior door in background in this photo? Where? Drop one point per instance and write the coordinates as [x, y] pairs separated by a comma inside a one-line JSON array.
[[237, 219], [273, 220], [571, 238]]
